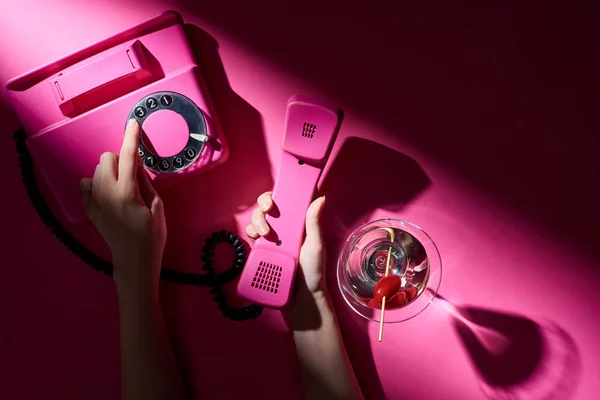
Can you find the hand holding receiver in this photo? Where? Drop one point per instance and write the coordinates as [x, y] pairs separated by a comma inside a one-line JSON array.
[[310, 130]]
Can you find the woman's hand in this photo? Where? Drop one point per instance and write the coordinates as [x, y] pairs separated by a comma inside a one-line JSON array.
[[122, 203], [326, 370], [312, 253], [310, 288], [127, 211]]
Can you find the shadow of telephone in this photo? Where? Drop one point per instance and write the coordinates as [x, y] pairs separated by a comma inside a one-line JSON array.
[[76, 108]]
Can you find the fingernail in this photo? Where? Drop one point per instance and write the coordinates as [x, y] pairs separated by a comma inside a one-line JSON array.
[[131, 122], [85, 185], [263, 229], [264, 204]]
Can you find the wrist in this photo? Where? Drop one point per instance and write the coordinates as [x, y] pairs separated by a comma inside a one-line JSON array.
[[321, 298], [137, 276], [310, 310], [137, 300]]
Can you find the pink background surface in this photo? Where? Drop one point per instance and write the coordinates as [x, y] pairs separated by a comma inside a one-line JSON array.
[[486, 113]]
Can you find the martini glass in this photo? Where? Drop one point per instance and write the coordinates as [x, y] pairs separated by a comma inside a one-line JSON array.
[[514, 357], [363, 261]]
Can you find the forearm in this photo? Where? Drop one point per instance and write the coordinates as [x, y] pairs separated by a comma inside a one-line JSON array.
[[149, 368], [326, 369]]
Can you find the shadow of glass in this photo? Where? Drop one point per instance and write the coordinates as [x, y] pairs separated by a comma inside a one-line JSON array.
[[516, 357], [510, 357], [364, 176]]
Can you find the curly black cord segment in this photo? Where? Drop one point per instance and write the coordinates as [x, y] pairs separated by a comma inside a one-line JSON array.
[[236, 314], [210, 279]]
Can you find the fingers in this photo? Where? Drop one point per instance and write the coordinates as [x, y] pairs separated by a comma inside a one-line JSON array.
[[157, 207], [251, 232], [86, 194], [105, 173], [147, 191], [128, 158], [259, 222], [265, 201], [314, 235], [259, 225], [107, 168]]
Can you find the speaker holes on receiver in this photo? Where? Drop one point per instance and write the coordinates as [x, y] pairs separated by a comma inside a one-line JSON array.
[[267, 277], [301, 162], [308, 130]]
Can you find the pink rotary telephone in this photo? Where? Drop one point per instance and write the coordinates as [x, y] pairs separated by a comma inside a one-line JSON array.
[[310, 130], [76, 108]]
